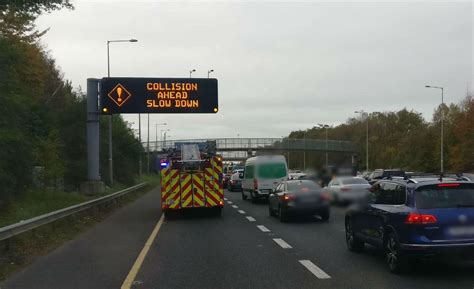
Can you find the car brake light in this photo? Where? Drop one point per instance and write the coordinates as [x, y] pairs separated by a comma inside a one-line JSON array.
[[287, 197], [414, 218], [345, 189], [326, 197], [448, 185]]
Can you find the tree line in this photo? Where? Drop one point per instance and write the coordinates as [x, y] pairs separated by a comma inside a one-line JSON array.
[[402, 139], [42, 117]]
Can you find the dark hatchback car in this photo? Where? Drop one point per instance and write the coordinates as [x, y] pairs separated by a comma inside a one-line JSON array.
[[298, 197], [235, 182], [409, 219]]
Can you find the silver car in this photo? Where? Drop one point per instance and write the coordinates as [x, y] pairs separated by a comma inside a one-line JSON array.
[[344, 190]]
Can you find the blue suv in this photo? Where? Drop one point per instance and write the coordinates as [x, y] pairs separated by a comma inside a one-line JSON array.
[[415, 218]]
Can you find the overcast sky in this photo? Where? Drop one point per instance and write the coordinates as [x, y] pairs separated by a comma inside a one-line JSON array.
[[281, 66]]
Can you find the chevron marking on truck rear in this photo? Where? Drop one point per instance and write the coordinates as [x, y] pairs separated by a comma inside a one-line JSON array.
[[165, 186], [211, 200], [198, 190], [173, 199], [186, 191]]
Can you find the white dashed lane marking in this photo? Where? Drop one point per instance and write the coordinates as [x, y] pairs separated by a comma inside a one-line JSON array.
[[225, 199], [251, 219], [314, 269], [241, 211], [263, 228], [282, 243], [235, 207], [229, 202]]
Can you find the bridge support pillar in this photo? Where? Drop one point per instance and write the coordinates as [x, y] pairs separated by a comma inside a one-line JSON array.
[[249, 154], [93, 185]]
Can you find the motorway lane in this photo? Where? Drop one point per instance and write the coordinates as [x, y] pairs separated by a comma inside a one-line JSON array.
[[244, 248], [220, 252], [324, 243], [99, 258]]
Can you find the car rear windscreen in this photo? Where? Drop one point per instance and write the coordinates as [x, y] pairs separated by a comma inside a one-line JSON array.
[[303, 186], [449, 195], [271, 171], [395, 173], [354, 181]]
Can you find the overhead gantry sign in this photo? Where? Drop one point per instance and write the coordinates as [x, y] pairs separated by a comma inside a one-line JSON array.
[[158, 95]]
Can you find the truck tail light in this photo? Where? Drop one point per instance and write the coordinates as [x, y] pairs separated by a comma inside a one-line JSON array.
[[414, 218]]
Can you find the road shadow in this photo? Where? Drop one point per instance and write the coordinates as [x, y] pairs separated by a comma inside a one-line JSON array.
[[192, 214], [426, 268]]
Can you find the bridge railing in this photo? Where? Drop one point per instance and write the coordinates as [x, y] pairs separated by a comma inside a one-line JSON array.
[[239, 144]]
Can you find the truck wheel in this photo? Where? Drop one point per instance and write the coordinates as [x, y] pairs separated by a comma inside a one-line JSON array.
[[244, 196], [168, 214], [217, 211]]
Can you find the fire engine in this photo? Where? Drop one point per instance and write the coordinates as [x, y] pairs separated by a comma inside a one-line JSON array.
[[191, 177]]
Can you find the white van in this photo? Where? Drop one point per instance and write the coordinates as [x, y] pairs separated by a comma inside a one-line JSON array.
[[262, 174]]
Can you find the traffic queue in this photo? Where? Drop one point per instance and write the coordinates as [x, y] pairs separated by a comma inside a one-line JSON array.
[[408, 215]]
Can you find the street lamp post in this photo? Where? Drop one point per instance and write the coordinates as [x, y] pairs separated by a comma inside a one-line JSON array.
[[366, 115], [161, 135], [156, 133], [191, 73], [326, 127], [209, 72], [442, 125], [111, 169], [304, 151], [148, 144]]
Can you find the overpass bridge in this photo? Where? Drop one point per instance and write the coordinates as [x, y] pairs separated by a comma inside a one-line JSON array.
[[241, 148]]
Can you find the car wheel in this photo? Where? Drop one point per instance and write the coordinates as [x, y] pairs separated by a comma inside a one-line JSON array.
[[271, 212], [353, 243], [282, 215], [396, 262], [244, 196], [325, 215]]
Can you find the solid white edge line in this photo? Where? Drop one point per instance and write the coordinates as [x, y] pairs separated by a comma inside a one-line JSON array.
[[282, 243], [235, 207], [251, 219], [263, 228], [241, 211], [318, 272], [127, 283]]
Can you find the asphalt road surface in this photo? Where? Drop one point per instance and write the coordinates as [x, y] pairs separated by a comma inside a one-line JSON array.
[[244, 248]]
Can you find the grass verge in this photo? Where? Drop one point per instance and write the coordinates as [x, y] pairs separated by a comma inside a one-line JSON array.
[[28, 246]]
